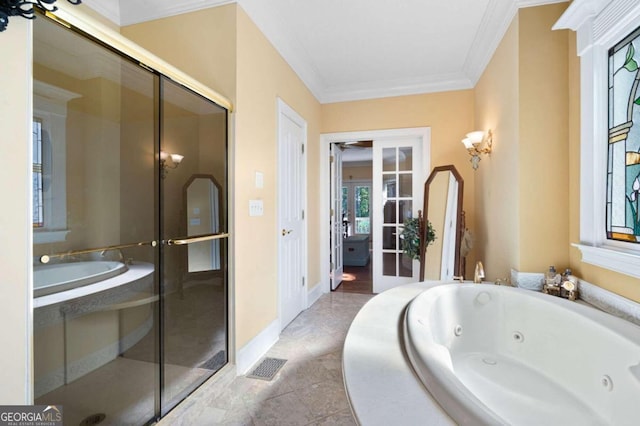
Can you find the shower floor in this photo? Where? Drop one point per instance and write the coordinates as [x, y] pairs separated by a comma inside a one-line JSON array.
[[125, 388]]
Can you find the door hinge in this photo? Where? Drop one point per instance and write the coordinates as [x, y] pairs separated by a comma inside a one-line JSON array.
[[303, 214], [333, 266], [302, 281], [331, 212], [302, 148], [331, 159]]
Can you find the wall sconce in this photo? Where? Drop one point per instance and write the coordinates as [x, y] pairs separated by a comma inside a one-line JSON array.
[[24, 8], [478, 143], [176, 159]]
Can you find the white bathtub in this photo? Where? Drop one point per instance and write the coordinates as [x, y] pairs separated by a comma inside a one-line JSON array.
[[50, 279], [500, 355]]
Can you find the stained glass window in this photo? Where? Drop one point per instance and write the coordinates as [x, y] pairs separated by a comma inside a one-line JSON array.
[[38, 206], [623, 159]]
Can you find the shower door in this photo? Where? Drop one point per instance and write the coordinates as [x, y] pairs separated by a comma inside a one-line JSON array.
[[194, 248], [129, 177]]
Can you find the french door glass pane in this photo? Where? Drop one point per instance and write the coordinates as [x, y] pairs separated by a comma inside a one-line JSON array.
[[397, 194]]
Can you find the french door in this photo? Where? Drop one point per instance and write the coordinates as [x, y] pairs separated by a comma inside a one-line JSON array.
[[396, 196], [336, 222]]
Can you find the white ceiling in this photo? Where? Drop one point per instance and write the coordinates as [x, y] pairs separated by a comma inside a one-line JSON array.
[[362, 49]]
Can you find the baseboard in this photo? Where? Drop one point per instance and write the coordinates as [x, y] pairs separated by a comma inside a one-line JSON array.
[[251, 353], [315, 293]]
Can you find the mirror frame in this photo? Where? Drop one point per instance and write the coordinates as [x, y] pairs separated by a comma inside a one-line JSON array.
[[185, 223], [425, 218]]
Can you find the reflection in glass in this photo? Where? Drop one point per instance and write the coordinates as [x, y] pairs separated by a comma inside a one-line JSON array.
[[405, 158], [388, 159], [194, 275], [389, 234], [405, 185], [405, 266], [389, 264], [389, 213], [97, 127]]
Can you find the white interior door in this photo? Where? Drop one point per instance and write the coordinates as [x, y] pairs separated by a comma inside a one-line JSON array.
[[336, 269], [292, 131], [397, 195]]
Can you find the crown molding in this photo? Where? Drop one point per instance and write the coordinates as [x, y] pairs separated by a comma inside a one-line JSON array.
[[494, 25], [136, 12], [390, 88], [579, 12], [108, 9], [285, 43]]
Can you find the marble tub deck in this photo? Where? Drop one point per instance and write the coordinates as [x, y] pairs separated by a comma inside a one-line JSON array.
[[308, 390]]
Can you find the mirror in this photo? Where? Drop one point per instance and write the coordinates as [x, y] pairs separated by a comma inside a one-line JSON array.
[[202, 197], [443, 191]]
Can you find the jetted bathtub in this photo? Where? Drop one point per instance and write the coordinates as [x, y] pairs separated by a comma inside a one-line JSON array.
[[50, 279], [500, 355]]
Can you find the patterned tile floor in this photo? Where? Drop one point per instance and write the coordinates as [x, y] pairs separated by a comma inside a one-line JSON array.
[[308, 389]]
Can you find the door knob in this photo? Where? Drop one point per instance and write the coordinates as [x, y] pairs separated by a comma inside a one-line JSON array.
[[285, 232]]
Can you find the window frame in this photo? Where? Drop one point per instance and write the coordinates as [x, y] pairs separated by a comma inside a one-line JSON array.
[[599, 25], [50, 108]]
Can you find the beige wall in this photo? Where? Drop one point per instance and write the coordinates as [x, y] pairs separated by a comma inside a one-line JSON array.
[[544, 140], [497, 236], [522, 190], [15, 225], [202, 44], [262, 77], [449, 114]]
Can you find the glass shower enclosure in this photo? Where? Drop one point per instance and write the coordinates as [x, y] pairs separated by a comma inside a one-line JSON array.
[[129, 233]]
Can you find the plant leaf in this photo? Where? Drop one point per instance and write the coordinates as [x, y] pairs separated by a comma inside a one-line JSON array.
[[630, 64], [630, 52], [637, 101]]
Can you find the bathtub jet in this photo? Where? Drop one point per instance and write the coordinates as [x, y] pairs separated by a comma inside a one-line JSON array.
[[493, 355]]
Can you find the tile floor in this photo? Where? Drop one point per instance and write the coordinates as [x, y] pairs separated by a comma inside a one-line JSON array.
[[308, 390]]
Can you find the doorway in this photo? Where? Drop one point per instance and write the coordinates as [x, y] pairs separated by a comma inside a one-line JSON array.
[[400, 161], [355, 211]]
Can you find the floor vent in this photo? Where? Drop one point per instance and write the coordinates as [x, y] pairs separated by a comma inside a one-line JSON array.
[[216, 362], [267, 369], [93, 419]]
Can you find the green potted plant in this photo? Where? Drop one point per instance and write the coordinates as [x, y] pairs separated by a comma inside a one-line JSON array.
[[410, 237]]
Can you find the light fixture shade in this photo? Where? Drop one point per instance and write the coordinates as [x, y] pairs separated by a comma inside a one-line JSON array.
[[467, 143], [177, 158], [476, 137], [163, 155]]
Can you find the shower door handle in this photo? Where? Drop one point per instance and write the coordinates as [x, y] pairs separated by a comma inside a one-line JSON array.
[[195, 239]]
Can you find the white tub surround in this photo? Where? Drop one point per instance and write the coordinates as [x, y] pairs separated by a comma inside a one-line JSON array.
[[592, 294], [381, 386], [135, 272], [489, 355], [50, 279]]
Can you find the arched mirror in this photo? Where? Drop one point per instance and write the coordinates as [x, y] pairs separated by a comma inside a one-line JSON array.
[[443, 191], [202, 194]]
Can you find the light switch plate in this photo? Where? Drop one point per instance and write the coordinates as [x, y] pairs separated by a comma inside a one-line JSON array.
[[256, 208], [259, 180]]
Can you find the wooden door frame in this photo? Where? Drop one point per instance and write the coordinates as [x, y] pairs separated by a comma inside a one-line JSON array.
[[326, 139]]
